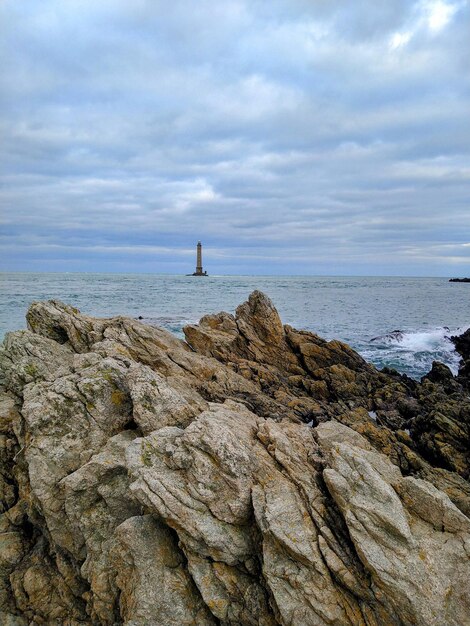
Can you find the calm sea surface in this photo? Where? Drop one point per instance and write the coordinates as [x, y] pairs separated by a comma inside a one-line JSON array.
[[426, 310]]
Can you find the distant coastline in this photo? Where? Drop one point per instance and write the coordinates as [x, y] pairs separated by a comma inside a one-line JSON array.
[[459, 280]]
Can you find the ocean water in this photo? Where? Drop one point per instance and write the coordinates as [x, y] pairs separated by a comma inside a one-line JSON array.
[[426, 311]]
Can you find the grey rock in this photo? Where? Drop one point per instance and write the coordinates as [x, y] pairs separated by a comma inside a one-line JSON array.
[[417, 555], [154, 584], [147, 480]]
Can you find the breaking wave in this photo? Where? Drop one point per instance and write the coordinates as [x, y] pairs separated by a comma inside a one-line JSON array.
[[414, 351]]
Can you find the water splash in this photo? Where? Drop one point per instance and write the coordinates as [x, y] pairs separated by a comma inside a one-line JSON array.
[[414, 351]]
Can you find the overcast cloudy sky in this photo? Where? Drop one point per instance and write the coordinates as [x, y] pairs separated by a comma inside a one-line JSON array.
[[290, 136]]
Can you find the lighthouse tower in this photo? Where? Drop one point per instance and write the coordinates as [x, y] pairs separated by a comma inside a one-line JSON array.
[[199, 271]]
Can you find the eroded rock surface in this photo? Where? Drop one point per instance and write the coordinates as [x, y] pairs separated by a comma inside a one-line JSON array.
[[252, 475]]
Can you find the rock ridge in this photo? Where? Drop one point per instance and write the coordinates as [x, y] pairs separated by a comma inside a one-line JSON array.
[[253, 474]]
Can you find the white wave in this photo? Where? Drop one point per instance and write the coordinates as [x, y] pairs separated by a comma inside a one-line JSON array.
[[415, 350], [422, 340], [427, 340]]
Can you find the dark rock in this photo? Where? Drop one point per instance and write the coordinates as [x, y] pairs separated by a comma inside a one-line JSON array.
[[442, 375], [395, 335], [462, 345]]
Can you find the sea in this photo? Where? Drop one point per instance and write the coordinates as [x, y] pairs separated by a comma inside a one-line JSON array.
[[403, 323]]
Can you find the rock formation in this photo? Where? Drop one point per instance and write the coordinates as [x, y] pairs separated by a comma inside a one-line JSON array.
[[253, 474], [462, 345]]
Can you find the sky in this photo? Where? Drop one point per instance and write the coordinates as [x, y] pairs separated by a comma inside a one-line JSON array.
[[323, 137]]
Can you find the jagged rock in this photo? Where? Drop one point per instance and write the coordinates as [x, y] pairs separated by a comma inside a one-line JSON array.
[[253, 475], [418, 554], [100, 488], [462, 345], [152, 578], [156, 403], [27, 358], [442, 375], [64, 324]]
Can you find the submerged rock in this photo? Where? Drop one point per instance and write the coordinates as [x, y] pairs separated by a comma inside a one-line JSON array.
[[253, 474], [395, 335]]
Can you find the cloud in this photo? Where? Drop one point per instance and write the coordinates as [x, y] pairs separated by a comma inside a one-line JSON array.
[[439, 14], [311, 137]]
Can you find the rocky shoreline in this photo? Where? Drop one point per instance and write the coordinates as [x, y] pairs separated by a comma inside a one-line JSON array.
[[253, 474]]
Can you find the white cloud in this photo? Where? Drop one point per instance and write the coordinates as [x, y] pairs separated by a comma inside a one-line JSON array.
[[398, 40], [199, 192], [429, 16], [439, 14]]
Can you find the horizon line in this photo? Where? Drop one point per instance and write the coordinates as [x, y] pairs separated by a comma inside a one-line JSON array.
[[124, 273]]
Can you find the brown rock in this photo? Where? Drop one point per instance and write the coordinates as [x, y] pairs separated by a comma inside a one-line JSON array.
[[145, 480]]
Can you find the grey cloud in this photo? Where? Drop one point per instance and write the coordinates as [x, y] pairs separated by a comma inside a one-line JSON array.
[[137, 128]]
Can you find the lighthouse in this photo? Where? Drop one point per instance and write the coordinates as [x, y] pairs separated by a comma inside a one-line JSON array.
[[199, 271]]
